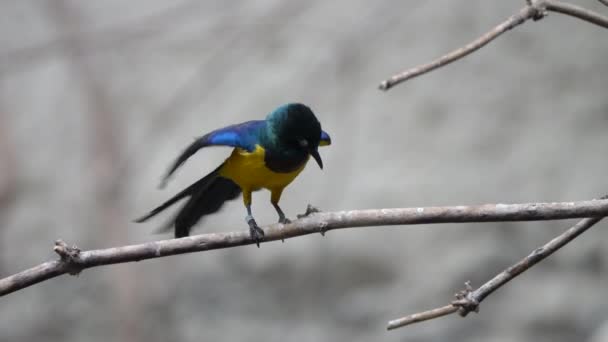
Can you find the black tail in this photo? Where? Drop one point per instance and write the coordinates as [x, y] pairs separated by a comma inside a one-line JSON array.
[[207, 196]]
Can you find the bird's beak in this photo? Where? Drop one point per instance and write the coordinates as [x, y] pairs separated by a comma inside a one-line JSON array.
[[315, 154]]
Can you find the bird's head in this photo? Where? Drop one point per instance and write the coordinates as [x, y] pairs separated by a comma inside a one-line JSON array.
[[296, 127]]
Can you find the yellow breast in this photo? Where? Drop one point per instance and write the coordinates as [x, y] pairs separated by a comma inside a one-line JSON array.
[[248, 170]]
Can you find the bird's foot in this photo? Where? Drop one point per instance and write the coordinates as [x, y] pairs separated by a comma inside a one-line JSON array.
[[257, 234]]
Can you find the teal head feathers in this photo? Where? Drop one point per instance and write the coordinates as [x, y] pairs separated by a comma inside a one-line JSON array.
[[293, 133]]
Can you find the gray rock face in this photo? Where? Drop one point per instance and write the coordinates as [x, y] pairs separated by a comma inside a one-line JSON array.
[[97, 98]]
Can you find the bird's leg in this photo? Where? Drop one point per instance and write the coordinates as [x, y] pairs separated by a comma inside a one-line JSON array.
[[282, 218], [257, 234], [275, 196]]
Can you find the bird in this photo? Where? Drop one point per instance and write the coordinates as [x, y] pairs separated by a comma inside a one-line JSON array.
[[267, 154]]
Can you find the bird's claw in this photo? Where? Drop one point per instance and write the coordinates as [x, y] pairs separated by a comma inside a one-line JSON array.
[[257, 234]]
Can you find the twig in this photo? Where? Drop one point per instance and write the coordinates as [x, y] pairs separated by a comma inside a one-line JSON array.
[[577, 12], [73, 260], [533, 10], [422, 316], [513, 21], [469, 300], [605, 2]]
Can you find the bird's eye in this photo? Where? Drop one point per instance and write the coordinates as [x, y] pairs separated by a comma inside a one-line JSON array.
[[303, 143]]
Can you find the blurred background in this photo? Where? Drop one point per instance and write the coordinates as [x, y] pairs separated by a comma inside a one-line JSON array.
[[97, 98]]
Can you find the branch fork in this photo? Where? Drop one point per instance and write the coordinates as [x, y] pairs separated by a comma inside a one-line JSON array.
[[310, 210], [468, 300], [69, 256], [539, 7], [534, 9], [465, 302]]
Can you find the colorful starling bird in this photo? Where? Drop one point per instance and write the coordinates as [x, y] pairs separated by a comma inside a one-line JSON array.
[[267, 154]]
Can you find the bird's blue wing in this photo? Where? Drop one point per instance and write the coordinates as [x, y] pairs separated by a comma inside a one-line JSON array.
[[242, 135]]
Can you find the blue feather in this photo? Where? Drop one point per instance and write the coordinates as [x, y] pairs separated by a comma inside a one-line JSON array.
[[244, 135], [229, 138]]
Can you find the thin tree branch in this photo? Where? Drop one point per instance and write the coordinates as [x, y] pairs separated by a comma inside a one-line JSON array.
[[73, 260], [535, 9], [422, 316], [605, 2], [577, 12], [513, 21], [468, 300]]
